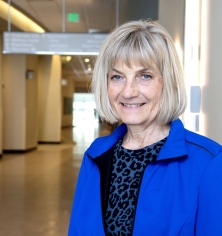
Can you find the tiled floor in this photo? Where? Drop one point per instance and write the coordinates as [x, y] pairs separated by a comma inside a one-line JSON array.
[[36, 188]]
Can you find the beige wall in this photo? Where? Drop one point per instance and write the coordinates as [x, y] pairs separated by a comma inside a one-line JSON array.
[[67, 91], [210, 70], [49, 99], [1, 93], [23, 123], [31, 103], [171, 16], [19, 103], [14, 105]]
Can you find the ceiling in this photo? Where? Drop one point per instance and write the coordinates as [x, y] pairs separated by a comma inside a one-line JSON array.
[[100, 16]]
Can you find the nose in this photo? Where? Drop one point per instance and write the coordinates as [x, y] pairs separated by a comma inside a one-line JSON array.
[[130, 89]]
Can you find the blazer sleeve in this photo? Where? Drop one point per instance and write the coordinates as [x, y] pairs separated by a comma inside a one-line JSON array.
[[209, 209], [82, 178]]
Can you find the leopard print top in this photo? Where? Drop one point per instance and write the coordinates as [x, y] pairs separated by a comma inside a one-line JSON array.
[[128, 168]]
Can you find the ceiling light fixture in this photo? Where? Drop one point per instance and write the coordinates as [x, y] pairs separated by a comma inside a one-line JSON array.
[[68, 58], [19, 19]]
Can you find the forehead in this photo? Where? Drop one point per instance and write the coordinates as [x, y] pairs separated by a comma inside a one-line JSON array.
[[132, 58], [122, 65]]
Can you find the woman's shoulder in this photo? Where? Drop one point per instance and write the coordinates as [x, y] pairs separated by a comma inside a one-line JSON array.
[[204, 142]]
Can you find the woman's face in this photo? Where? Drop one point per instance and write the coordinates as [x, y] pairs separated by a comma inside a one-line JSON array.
[[135, 93]]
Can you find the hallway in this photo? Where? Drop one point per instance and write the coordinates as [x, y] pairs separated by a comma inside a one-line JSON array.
[[37, 187]]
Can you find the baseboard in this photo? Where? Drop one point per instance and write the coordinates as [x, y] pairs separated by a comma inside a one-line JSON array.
[[68, 126], [47, 142], [19, 150]]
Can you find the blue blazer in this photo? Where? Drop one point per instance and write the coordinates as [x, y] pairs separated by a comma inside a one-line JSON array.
[[180, 194]]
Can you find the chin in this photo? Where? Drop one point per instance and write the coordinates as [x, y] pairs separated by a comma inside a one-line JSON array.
[[132, 122]]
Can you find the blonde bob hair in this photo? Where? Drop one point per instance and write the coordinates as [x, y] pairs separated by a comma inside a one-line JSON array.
[[148, 44]]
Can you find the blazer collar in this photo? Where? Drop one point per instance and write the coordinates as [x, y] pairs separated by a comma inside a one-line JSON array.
[[174, 147]]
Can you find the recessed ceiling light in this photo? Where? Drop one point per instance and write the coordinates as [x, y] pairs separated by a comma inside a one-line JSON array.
[[68, 58], [86, 59]]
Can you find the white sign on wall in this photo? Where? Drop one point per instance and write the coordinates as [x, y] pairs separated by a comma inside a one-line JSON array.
[[52, 43]]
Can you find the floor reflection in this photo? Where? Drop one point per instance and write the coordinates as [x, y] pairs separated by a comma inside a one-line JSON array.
[[36, 188]]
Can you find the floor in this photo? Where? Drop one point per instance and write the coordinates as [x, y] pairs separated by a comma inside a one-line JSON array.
[[36, 188]]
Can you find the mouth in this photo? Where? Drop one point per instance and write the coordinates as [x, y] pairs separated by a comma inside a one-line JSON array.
[[132, 105]]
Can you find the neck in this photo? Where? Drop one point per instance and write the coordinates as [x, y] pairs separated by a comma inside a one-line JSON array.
[[137, 138]]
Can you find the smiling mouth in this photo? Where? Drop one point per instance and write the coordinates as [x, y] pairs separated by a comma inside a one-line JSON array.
[[132, 105]]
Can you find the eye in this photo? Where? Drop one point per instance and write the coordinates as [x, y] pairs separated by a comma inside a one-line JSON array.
[[115, 77], [146, 76]]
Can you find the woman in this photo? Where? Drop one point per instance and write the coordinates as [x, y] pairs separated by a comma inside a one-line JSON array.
[[151, 176]]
